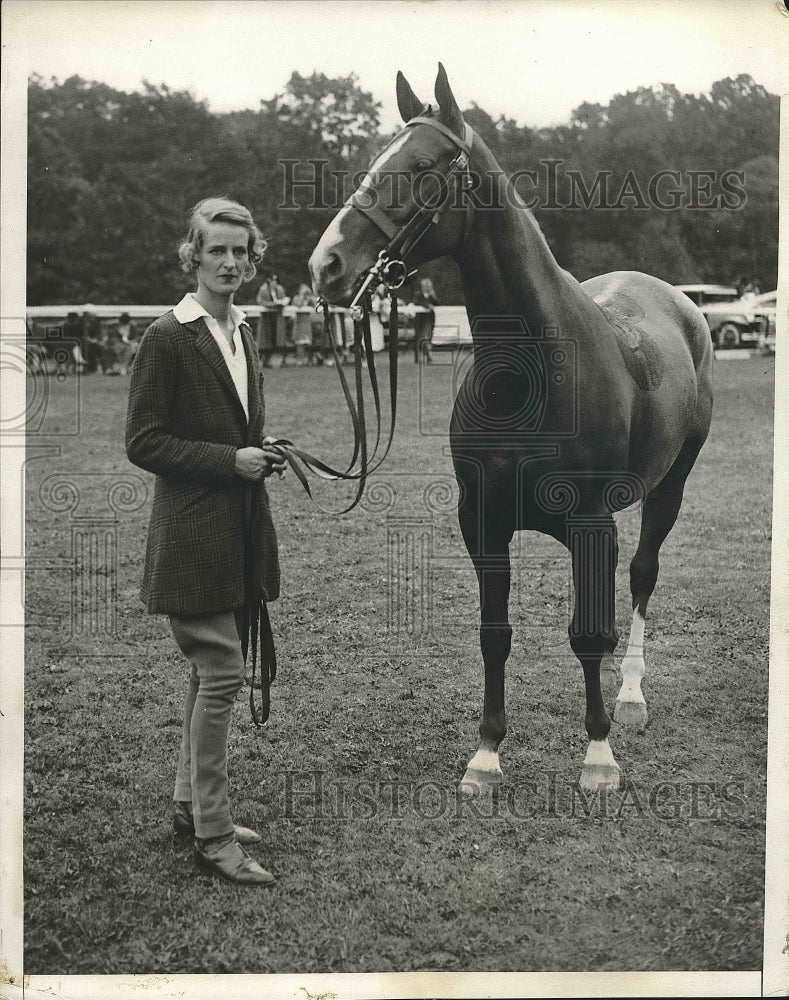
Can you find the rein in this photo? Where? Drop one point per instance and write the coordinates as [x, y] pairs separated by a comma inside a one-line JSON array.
[[359, 467], [257, 632], [390, 270]]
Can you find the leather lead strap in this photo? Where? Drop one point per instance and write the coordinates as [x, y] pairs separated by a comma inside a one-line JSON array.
[[260, 631], [300, 460], [256, 625]]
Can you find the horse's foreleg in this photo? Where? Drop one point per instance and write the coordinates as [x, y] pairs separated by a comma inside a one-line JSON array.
[[593, 546], [493, 573]]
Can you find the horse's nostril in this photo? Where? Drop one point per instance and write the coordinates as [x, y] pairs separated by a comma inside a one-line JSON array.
[[334, 265], [326, 268]]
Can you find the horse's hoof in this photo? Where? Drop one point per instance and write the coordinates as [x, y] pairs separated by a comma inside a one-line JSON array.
[[599, 777], [477, 782], [631, 713], [600, 769]]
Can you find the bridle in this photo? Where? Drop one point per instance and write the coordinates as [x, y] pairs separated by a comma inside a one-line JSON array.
[[390, 270], [390, 267]]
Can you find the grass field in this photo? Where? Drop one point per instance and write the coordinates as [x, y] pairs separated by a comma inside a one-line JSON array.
[[375, 714]]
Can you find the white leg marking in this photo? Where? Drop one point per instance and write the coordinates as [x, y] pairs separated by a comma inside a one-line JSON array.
[[483, 772], [600, 754], [631, 708], [486, 761], [600, 769]]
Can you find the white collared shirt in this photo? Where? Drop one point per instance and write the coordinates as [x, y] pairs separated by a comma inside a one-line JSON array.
[[189, 309]]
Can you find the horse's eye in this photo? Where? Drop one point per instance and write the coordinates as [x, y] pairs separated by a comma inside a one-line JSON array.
[[423, 164]]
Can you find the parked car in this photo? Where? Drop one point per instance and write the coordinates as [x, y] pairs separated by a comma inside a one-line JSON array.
[[731, 322], [764, 308], [704, 295]]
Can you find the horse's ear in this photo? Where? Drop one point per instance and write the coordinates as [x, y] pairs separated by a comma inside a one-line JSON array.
[[408, 103], [449, 112]]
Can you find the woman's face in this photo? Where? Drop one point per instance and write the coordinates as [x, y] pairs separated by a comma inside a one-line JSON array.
[[223, 258]]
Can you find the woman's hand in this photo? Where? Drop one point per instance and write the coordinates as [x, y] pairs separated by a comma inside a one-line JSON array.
[[281, 462], [255, 464]]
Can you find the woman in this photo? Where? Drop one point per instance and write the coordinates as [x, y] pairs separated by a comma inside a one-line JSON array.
[[304, 302], [73, 334], [271, 296], [118, 347], [424, 320], [195, 419], [128, 345]]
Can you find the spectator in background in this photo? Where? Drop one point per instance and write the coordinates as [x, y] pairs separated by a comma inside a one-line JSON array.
[[747, 286], [92, 340], [73, 340], [109, 352], [424, 322], [304, 301], [129, 345], [288, 346], [343, 335], [385, 315], [321, 347], [376, 322], [271, 295], [118, 347]]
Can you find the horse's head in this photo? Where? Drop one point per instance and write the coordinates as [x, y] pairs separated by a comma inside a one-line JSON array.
[[409, 203]]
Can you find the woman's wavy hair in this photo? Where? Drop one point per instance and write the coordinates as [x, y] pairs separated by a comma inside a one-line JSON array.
[[220, 210]]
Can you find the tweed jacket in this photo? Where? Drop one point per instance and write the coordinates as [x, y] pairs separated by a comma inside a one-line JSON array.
[[184, 423]]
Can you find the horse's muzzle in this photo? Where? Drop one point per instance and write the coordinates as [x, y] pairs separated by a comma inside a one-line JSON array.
[[328, 271]]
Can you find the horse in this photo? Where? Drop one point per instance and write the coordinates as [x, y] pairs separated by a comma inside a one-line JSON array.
[[582, 399]]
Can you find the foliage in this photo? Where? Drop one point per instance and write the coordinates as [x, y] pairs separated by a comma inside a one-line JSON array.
[[112, 175], [333, 114]]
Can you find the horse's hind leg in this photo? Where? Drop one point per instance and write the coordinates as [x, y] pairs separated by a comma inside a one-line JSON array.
[[661, 508]]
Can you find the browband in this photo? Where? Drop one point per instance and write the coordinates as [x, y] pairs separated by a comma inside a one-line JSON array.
[[464, 143]]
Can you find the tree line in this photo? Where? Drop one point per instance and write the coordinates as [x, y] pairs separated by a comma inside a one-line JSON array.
[[682, 186]]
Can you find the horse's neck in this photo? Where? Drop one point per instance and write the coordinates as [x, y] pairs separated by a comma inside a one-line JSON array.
[[506, 266]]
